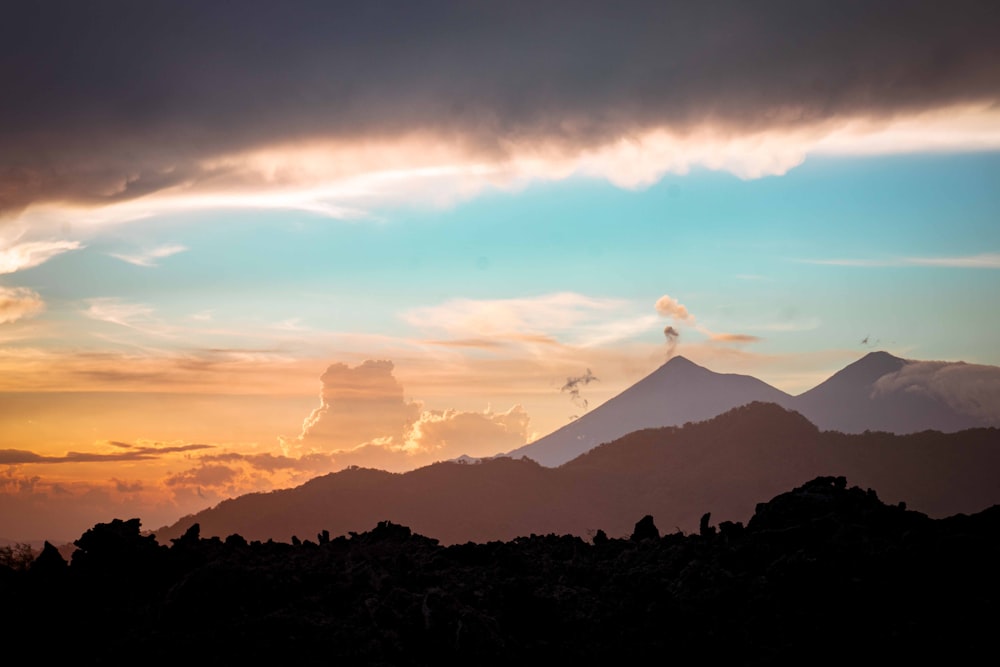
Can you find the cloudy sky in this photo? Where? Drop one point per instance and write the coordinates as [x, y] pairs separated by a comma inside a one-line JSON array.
[[240, 247]]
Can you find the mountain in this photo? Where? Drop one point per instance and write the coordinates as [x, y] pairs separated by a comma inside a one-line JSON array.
[[723, 465], [677, 392], [851, 401], [856, 399]]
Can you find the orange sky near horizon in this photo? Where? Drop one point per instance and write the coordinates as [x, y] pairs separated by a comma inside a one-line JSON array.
[[241, 249], [162, 454]]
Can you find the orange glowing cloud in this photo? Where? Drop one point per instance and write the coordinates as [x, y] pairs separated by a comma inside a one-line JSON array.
[[19, 302], [364, 419]]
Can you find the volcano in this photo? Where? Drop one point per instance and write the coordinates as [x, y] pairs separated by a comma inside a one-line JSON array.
[[879, 392]]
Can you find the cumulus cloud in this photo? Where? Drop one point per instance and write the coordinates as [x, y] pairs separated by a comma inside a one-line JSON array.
[[571, 82], [443, 435], [358, 405], [970, 389], [449, 433], [20, 256], [19, 302], [670, 307], [364, 419]]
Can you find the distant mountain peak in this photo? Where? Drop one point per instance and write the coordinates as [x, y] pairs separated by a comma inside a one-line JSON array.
[[868, 368], [680, 364], [681, 391], [880, 357], [677, 392]]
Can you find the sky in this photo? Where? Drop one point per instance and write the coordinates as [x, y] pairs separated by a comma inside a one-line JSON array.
[[239, 249]]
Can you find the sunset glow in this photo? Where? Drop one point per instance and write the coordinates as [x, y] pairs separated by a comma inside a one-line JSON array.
[[380, 252]]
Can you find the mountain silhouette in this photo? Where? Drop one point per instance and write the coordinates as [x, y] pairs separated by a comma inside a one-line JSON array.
[[825, 573], [680, 391], [723, 465], [677, 392], [849, 401]]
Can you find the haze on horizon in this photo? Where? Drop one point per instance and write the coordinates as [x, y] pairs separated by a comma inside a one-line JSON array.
[[209, 217]]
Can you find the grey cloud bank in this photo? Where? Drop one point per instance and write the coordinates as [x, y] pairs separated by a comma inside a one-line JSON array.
[[108, 101]]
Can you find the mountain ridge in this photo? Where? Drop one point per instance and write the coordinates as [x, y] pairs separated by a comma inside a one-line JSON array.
[[680, 391], [675, 473]]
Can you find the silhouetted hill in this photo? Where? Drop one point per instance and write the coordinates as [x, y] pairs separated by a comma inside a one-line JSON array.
[[494, 499], [677, 392], [722, 465], [823, 574]]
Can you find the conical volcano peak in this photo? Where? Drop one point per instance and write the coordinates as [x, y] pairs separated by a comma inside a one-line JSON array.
[[680, 364], [879, 357], [681, 391], [852, 401], [869, 368], [677, 392]]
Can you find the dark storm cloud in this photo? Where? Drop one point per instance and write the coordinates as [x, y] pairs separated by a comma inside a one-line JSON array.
[[105, 101]]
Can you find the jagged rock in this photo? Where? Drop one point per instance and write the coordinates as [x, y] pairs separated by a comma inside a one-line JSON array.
[[49, 561], [645, 529]]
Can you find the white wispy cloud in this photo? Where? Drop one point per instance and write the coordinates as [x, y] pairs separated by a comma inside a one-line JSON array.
[[122, 313], [983, 261], [980, 261], [561, 312], [616, 330], [20, 256], [149, 257]]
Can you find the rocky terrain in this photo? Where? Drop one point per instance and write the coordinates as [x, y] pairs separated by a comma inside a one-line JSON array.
[[822, 574]]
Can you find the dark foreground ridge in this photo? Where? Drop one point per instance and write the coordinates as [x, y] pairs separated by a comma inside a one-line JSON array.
[[821, 574]]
